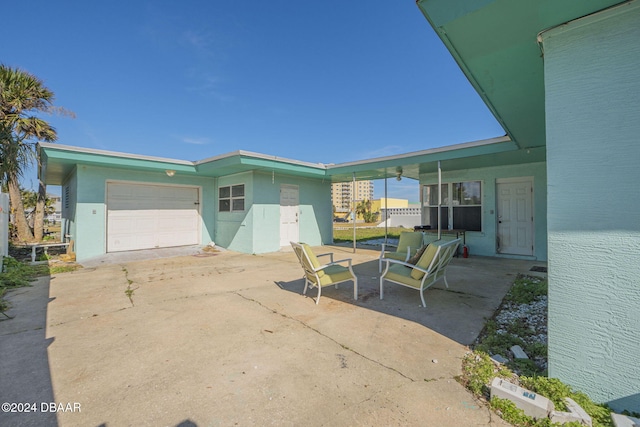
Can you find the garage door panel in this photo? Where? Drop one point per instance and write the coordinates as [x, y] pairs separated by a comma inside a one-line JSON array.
[[141, 216]]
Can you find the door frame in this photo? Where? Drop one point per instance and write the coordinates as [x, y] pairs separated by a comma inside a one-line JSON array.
[[297, 189], [513, 180]]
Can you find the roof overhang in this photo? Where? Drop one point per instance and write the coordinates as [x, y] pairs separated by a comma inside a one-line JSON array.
[[58, 162], [478, 154], [495, 44]]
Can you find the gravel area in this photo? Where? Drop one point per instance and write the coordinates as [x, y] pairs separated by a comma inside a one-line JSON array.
[[527, 321]]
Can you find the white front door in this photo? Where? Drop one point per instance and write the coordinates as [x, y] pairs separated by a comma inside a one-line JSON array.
[[289, 212], [515, 216]]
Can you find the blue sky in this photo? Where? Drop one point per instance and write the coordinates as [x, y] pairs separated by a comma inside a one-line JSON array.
[[330, 81]]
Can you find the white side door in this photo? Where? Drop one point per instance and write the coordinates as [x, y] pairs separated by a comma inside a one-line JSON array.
[[515, 216], [289, 213]]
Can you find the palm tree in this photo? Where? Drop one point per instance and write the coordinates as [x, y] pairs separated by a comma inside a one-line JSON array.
[[21, 95]]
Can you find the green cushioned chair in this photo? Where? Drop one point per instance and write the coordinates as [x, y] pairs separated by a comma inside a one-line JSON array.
[[319, 275], [408, 245], [430, 268]]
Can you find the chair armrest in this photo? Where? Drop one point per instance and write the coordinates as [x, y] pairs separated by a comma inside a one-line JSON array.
[[348, 260], [406, 264], [384, 245], [322, 267], [329, 254], [395, 261]]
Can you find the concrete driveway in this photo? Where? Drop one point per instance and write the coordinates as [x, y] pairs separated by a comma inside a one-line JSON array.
[[223, 339]]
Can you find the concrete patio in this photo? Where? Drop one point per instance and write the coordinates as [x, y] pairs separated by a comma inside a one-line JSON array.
[[218, 339]]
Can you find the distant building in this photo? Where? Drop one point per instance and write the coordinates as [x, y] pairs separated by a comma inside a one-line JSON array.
[[397, 212], [343, 194], [56, 202]]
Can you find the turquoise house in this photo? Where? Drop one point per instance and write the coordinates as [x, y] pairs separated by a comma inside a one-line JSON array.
[[242, 201], [561, 186]]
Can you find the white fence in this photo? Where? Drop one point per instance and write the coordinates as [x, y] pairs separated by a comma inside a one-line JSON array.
[[406, 221]]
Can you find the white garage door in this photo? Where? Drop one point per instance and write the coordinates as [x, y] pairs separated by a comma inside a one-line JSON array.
[[141, 216]]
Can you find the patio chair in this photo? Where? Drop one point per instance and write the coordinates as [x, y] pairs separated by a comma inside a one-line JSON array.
[[327, 274], [408, 245], [430, 268]]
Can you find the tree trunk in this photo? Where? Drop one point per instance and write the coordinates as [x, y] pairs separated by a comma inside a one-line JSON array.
[[38, 223], [17, 210]]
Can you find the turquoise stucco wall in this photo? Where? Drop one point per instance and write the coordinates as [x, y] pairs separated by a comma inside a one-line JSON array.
[[315, 218], [484, 243], [89, 222], [592, 90], [257, 229], [233, 230]]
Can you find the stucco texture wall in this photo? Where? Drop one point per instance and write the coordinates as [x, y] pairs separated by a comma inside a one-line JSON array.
[[90, 208], [484, 243], [257, 228], [593, 154], [315, 211]]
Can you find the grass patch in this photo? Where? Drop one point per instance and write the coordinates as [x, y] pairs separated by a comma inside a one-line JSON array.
[[478, 370], [511, 326], [366, 233], [526, 289], [17, 274]]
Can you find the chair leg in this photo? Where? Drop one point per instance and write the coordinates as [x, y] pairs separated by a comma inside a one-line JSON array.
[[381, 288], [424, 304], [306, 284], [446, 284], [319, 292], [355, 288]]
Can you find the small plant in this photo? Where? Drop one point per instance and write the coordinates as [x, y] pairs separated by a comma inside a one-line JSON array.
[[478, 372], [129, 291], [44, 257], [526, 289]]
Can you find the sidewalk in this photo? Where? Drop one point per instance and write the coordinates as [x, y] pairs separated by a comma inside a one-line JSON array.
[[228, 339]]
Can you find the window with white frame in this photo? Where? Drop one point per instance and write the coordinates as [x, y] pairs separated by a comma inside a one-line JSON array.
[[461, 205], [231, 198]]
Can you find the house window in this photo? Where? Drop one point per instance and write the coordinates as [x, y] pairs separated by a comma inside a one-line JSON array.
[[231, 198], [461, 205]]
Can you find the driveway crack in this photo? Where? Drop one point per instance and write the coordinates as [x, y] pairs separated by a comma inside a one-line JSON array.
[[345, 347]]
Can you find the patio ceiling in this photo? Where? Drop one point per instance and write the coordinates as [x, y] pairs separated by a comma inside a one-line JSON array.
[[471, 155], [495, 44]]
